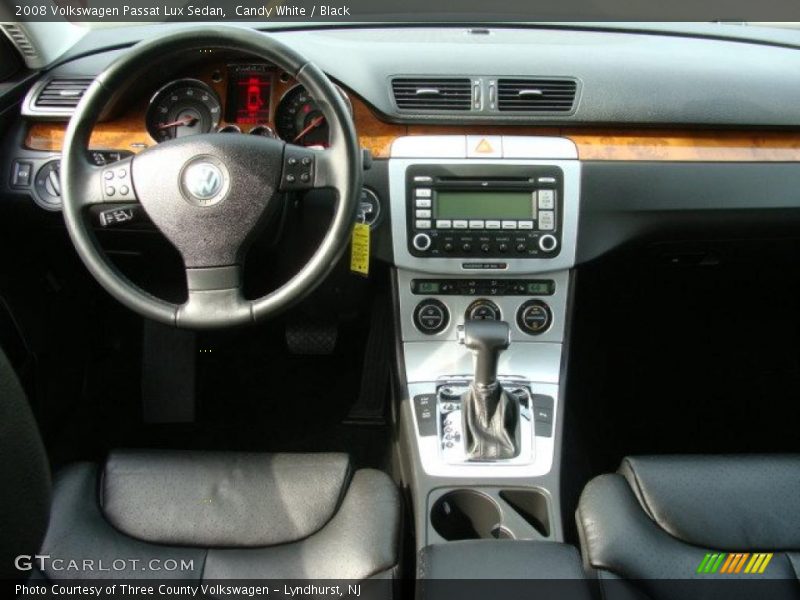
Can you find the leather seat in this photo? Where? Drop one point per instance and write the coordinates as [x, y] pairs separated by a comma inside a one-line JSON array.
[[646, 531], [225, 515], [197, 516]]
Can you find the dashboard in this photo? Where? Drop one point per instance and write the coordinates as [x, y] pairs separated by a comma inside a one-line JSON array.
[[655, 141]]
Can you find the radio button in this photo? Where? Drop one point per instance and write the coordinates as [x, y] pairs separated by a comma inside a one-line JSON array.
[[547, 220], [448, 247], [503, 248], [443, 224], [424, 213], [525, 224], [476, 224], [509, 224], [459, 225], [547, 199], [423, 192], [485, 248], [423, 224], [422, 203], [521, 248], [547, 179], [466, 247], [492, 224], [423, 179]]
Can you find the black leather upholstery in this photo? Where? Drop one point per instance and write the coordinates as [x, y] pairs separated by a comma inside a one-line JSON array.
[[507, 569], [499, 559], [230, 515], [24, 471], [653, 522], [222, 499]]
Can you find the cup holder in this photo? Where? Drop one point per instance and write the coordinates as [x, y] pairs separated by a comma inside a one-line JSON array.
[[468, 515]]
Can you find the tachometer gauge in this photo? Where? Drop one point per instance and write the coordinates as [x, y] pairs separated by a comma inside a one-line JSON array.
[[183, 107], [298, 119]]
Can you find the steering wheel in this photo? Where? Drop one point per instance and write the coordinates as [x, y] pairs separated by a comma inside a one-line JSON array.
[[209, 193]]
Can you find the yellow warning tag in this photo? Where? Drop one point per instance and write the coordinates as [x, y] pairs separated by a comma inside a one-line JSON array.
[[359, 253]]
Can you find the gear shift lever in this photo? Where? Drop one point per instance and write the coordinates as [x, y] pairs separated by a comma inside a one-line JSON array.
[[491, 416], [487, 339]]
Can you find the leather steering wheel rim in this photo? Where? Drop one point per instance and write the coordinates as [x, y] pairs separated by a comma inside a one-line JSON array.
[[215, 298]]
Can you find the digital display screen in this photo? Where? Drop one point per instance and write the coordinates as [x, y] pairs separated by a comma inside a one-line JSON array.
[[484, 205], [428, 287], [541, 288], [249, 93]]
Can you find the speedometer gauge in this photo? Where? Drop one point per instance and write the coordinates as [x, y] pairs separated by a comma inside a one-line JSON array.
[[298, 119], [183, 107]]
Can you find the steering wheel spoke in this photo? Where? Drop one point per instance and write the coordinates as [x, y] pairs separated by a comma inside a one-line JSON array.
[[215, 297], [109, 184], [306, 168]]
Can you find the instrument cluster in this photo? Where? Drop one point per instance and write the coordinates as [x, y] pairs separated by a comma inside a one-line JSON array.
[[254, 98]]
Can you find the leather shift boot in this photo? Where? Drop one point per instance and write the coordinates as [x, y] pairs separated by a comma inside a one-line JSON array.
[[491, 423]]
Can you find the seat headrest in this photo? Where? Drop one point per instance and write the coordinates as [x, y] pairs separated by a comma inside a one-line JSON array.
[[221, 499], [721, 502]]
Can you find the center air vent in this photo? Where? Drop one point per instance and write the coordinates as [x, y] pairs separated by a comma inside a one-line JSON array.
[[536, 95], [432, 94], [62, 93]]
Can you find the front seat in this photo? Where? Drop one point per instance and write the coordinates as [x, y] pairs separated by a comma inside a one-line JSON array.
[[667, 527], [196, 516]]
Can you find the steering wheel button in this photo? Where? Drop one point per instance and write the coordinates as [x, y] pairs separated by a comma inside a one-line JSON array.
[[124, 191], [291, 178], [291, 161], [110, 191], [305, 177], [122, 173], [306, 161], [108, 175]]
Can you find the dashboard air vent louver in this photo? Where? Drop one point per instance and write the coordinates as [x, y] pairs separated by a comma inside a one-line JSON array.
[[536, 95], [62, 93], [432, 94], [20, 39]]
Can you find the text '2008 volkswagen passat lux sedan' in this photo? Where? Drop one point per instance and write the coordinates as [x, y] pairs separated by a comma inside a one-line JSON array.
[[399, 309]]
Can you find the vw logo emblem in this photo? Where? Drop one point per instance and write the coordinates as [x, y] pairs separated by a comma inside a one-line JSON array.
[[204, 181]]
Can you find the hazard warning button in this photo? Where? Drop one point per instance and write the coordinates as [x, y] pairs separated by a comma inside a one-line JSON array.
[[484, 146]]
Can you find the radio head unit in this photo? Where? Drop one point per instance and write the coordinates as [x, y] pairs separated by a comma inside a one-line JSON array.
[[494, 211]]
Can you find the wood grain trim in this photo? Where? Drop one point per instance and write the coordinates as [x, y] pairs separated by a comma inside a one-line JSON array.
[[126, 132]]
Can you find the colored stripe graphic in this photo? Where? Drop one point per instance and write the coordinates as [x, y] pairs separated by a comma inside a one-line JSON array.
[[734, 563]]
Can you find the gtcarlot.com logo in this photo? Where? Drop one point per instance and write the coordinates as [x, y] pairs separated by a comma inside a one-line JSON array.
[[46, 563]]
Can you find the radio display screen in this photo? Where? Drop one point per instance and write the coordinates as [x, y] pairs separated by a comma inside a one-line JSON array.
[[484, 205]]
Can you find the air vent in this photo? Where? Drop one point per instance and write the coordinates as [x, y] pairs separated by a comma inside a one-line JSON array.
[[421, 95], [20, 40], [62, 93], [536, 95]]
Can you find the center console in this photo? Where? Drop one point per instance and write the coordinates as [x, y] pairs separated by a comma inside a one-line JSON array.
[[484, 228]]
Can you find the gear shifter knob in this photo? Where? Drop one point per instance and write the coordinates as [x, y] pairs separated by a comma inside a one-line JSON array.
[[486, 339]]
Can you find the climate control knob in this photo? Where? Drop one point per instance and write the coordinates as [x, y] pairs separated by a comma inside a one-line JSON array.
[[482, 310], [431, 316], [421, 241], [534, 317]]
